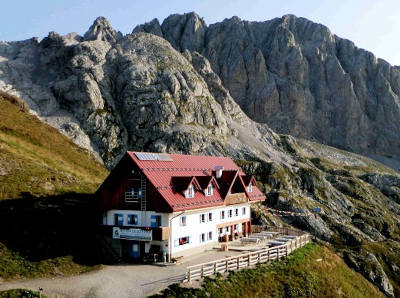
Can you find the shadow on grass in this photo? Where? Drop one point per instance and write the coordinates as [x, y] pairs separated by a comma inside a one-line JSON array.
[[50, 227]]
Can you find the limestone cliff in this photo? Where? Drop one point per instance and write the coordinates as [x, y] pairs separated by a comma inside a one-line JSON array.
[[300, 79]]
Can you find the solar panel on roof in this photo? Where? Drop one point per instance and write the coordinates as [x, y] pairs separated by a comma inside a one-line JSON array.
[[153, 156]]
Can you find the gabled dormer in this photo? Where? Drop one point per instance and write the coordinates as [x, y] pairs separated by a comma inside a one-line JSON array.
[[208, 184], [186, 185], [250, 182]]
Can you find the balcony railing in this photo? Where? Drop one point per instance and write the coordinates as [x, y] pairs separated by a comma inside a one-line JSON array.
[[131, 198]]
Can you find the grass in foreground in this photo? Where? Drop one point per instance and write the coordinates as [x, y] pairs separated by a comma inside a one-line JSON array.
[[13, 265], [312, 271], [37, 160], [20, 293]]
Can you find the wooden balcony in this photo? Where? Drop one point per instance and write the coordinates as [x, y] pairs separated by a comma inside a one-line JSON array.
[[236, 198]]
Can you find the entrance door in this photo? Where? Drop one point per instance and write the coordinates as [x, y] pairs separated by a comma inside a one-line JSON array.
[[134, 250]]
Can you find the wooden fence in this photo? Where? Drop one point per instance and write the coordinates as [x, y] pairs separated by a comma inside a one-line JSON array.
[[248, 259]]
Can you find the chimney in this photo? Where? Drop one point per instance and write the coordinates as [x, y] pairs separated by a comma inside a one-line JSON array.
[[218, 171]]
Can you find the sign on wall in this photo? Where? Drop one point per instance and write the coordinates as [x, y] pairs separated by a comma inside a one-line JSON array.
[[132, 234]]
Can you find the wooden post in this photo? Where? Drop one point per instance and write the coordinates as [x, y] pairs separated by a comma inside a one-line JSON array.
[[268, 254], [286, 250], [248, 260], [238, 262], [277, 252], [259, 258], [215, 268], [189, 275], [202, 271], [226, 266]]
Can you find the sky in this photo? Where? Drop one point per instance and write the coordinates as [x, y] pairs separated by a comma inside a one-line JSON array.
[[371, 24]]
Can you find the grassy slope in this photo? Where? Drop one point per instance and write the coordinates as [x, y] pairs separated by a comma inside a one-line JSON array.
[[36, 160], [312, 271]]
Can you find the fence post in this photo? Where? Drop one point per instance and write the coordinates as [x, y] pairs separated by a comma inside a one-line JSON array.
[[189, 275], [286, 250], [277, 253], [215, 267], [259, 258], [202, 271], [248, 260], [268, 254], [226, 266]]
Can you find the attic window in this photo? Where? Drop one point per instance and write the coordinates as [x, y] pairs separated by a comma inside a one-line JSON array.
[[190, 192], [250, 188], [209, 191]]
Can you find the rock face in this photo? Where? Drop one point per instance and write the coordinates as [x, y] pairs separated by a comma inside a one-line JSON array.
[[300, 79], [112, 93], [181, 88]]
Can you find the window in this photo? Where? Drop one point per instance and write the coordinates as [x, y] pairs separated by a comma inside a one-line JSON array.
[[155, 221], [118, 219], [244, 211], [236, 228], [182, 241], [182, 221], [132, 219], [190, 192], [209, 237], [210, 216], [236, 212], [250, 188], [230, 213], [209, 191], [223, 214], [203, 237], [202, 218]]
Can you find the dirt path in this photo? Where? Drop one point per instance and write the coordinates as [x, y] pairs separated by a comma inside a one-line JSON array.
[[115, 281]]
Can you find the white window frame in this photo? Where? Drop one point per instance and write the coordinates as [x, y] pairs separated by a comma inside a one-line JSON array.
[[202, 218], [209, 218], [209, 190], [190, 191], [209, 236], [222, 214], [236, 211], [203, 237], [182, 221], [230, 213], [244, 211]]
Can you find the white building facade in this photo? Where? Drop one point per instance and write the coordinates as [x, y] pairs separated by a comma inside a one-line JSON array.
[[175, 205]]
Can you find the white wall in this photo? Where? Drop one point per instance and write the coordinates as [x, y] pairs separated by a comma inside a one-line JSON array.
[[194, 228]]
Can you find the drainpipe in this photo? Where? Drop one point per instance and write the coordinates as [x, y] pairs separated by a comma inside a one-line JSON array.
[[170, 235]]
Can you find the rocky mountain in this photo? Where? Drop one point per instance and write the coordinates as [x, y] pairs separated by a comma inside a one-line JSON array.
[[182, 88], [299, 78]]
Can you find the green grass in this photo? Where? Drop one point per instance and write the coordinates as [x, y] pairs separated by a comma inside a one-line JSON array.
[[36, 159], [12, 265], [20, 293], [40, 167], [312, 271]]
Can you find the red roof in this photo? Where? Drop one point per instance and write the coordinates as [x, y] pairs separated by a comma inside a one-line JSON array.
[[165, 175]]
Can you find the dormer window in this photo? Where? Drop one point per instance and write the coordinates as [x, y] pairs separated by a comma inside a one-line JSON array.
[[190, 192], [209, 190], [250, 188]]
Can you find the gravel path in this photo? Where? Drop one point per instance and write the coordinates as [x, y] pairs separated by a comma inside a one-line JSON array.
[[116, 281]]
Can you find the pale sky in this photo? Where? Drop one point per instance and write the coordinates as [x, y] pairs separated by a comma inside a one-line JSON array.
[[371, 24]]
